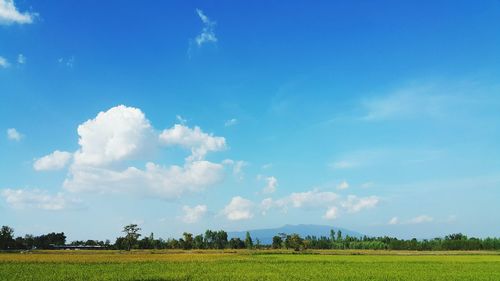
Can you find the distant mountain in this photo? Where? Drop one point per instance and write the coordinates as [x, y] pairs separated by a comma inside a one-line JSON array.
[[266, 235]]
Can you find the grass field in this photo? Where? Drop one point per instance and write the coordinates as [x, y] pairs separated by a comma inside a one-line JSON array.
[[247, 265]]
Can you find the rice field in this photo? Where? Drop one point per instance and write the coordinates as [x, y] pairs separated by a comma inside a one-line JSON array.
[[249, 265]]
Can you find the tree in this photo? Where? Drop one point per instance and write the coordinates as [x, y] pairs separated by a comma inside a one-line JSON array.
[[188, 241], [131, 235], [248, 241], [198, 242], [6, 237], [236, 243], [277, 242], [294, 241], [339, 235]]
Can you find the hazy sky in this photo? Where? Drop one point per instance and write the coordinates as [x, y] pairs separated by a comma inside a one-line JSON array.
[[381, 117]]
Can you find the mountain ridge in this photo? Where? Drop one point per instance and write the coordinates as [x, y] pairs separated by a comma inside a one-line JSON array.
[[265, 235]]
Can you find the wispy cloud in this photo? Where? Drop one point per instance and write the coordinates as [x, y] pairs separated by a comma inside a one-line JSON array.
[[9, 14], [421, 219], [416, 220], [68, 62], [21, 59], [38, 199], [207, 34], [393, 221], [4, 63], [384, 156], [231, 122]]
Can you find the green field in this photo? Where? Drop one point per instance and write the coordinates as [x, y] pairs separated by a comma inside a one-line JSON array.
[[247, 265]]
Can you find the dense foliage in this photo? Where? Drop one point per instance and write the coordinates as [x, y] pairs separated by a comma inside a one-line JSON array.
[[219, 240]]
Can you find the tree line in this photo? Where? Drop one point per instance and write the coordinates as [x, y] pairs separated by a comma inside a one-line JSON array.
[[131, 239]]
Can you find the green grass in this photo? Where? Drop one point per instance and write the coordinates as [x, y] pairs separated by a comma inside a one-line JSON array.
[[244, 265]]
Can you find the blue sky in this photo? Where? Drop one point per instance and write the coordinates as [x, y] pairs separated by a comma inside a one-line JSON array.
[[187, 115]]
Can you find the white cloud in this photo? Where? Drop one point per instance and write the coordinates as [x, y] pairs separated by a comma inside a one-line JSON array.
[[237, 167], [265, 205], [393, 221], [3, 62], [271, 184], [414, 101], [54, 161], [37, 199], [121, 133], [313, 198], [155, 180], [421, 219], [333, 203], [231, 122], [199, 142], [354, 204], [13, 134], [267, 166], [238, 209], [207, 33], [343, 185], [331, 213], [21, 59], [68, 62], [194, 214], [9, 14]]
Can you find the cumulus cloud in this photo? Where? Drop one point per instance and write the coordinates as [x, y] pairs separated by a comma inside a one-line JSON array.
[[333, 203], [38, 199], [54, 161], [271, 184], [199, 142], [123, 135], [14, 135], [354, 204], [331, 213], [167, 182], [193, 214], [3, 62], [343, 185], [207, 34], [266, 204], [311, 198], [9, 14], [231, 122], [238, 209]]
